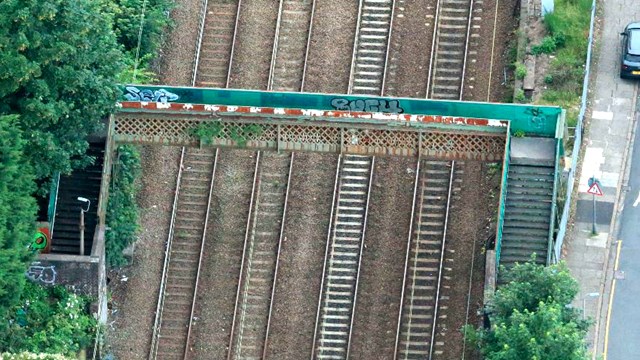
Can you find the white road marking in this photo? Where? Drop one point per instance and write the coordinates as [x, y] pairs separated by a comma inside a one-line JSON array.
[[637, 200], [602, 115]]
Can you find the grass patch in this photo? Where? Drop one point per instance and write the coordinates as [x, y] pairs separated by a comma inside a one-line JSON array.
[[568, 28]]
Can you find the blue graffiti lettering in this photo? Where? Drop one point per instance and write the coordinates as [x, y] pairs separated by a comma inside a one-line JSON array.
[[162, 95]]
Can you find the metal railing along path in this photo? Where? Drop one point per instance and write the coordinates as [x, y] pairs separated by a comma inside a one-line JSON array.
[[183, 258], [415, 336], [342, 262], [449, 49]]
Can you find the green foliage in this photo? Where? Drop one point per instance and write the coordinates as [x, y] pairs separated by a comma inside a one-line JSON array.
[[208, 131], [547, 46], [122, 210], [143, 73], [519, 97], [127, 23], [49, 320], [548, 79], [530, 318], [519, 133], [60, 61], [521, 71], [17, 213], [33, 356]]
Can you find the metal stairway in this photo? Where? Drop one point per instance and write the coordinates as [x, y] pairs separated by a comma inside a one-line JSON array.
[[527, 212], [81, 183]]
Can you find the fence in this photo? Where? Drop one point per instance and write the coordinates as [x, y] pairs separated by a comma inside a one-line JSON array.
[[562, 227]]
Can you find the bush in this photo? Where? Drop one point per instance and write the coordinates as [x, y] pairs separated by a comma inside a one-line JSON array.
[[519, 97], [531, 317], [122, 210], [547, 46], [47, 320], [521, 71]]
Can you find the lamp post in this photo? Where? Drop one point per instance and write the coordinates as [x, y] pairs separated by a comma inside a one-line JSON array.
[[82, 211], [584, 302]]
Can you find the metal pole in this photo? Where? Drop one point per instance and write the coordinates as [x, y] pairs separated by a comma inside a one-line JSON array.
[[81, 232], [594, 231]]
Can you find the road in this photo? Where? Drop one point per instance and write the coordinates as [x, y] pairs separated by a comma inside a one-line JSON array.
[[624, 330]]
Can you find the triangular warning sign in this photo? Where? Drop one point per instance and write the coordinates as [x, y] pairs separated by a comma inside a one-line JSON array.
[[595, 189]]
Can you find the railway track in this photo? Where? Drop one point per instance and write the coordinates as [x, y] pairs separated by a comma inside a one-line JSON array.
[[449, 49], [183, 256], [216, 44], [290, 47], [339, 289], [423, 296], [249, 334], [371, 47]]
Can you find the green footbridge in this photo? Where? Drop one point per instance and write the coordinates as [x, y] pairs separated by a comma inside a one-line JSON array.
[[527, 139]]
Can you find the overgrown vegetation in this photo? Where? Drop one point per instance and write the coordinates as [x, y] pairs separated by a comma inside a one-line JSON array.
[[47, 320], [128, 16], [568, 28], [208, 131], [122, 210], [531, 317], [61, 61], [17, 213]]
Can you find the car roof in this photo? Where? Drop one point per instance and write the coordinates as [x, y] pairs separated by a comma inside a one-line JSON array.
[[633, 25], [634, 40]]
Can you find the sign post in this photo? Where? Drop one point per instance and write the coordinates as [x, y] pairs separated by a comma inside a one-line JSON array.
[[594, 189]]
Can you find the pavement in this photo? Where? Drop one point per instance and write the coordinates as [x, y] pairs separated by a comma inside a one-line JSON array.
[[608, 143]]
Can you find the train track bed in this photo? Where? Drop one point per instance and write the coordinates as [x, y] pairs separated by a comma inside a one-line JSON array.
[[301, 256], [478, 67], [383, 258], [254, 44], [134, 301], [331, 46], [410, 48], [473, 205], [222, 256]]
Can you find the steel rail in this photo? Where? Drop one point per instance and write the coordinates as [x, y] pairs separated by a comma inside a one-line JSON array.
[[386, 57], [326, 255], [244, 250], [466, 318], [165, 268], [406, 257], [196, 61], [364, 229], [442, 249], [204, 237], [274, 52], [355, 47], [306, 53], [436, 30], [233, 44], [493, 47], [275, 274], [466, 48]]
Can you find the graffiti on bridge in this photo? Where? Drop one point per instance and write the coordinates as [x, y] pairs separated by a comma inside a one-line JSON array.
[[161, 96], [42, 274], [368, 105]]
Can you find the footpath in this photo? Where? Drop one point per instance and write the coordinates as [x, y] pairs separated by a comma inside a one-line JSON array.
[[608, 140]]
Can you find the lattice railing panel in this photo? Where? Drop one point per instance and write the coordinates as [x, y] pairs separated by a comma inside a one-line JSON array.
[[337, 137]]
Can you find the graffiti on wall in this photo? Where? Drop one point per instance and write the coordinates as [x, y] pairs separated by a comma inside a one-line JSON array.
[[161, 96], [42, 274], [368, 105]]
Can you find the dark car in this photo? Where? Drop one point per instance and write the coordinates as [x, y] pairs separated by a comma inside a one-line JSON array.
[[630, 65]]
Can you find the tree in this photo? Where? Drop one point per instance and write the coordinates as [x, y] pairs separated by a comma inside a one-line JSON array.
[[17, 213], [530, 317], [60, 60]]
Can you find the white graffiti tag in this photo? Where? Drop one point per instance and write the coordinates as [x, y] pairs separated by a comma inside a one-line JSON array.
[[42, 274], [161, 95]]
